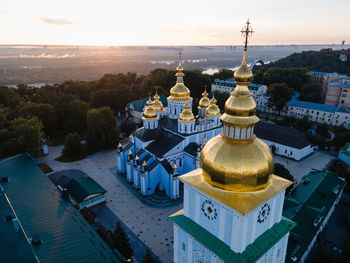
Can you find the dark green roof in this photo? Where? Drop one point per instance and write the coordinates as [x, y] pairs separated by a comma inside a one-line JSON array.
[[308, 205], [14, 245], [138, 105], [81, 188], [45, 215], [252, 253]]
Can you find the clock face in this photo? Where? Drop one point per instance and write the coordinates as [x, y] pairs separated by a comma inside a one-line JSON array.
[[209, 210], [264, 213]]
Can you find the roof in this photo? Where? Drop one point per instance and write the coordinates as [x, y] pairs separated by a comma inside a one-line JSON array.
[[14, 243], [308, 205], [164, 144], [311, 105], [81, 188], [148, 134], [343, 82], [192, 148], [281, 135], [251, 254], [231, 83], [138, 105], [153, 164], [45, 214], [62, 178], [167, 166]]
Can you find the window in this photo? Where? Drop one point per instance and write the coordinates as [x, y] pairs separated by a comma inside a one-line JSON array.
[[342, 101], [343, 95], [183, 246], [345, 90]]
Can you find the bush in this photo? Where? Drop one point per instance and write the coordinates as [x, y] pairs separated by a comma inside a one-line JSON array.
[[72, 145], [283, 172]]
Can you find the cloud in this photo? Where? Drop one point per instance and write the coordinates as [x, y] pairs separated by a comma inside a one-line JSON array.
[[55, 21]]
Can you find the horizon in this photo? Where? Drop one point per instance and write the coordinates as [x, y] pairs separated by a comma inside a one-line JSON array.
[[188, 23]]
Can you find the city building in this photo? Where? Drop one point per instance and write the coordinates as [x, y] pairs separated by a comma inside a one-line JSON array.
[[85, 192], [284, 141], [332, 91], [170, 140], [314, 112], [310, 205], [228, 85], [233, 202], [39, 224], [344, 153], [135, 108]]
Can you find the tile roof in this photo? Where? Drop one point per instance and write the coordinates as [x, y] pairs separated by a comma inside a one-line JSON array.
[[307, 205], [252, 253], [43, 212], [281, 135], [81, 188]]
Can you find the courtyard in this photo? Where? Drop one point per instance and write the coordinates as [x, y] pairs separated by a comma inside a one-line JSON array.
[[148, 222]]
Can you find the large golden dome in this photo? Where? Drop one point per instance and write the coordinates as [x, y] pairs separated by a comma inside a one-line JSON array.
[[149, 113], [236, 160], [158, 105], [179, 92], [186, 115], [212, 109], [204, 102]]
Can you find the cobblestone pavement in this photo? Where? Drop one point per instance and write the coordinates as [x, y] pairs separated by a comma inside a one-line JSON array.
[[317, 160], [150, 224]]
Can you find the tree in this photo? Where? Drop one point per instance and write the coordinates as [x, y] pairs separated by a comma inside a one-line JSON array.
[[101, 128], [149, 257], [121, 241], [26, 134], [279, 94], [72, 145], [311, 92], [222, 74], [9, 97], [283, 172]]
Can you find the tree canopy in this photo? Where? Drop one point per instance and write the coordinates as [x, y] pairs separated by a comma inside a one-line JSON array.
[[121, 241], [279, 94]]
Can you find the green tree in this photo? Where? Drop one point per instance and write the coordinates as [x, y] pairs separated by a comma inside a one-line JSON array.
[[148, 258], [72, 145], [311, 92], [101, 128], [283, 172], [121, 241], [279, 94], [2, 118], [9, 97], [26, 134], [222, 74]]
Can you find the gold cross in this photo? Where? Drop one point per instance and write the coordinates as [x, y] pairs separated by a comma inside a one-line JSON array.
[[246, 32]]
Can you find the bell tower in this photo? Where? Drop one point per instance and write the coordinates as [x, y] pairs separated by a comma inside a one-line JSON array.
[[233, 203]]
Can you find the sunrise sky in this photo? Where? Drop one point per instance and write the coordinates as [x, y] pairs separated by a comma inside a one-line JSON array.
[[163, 22]]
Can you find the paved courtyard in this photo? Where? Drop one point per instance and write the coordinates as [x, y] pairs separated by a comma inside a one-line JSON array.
[[150, 224], [317, 160]]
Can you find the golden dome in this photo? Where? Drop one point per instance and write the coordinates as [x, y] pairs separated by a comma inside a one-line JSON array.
[[149, 113], [234, 161], [158, 105], [179, 92], [212, 109], [186, 115], [204, 102]]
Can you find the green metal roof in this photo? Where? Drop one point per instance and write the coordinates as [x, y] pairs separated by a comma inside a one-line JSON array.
[[14, 243], [80, 188], [252, 253], [345, 150], [45, 215], [138, 105], [307, 205]]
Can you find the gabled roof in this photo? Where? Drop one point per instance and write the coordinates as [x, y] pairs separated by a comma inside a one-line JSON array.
[[45, 214], [192, 148], [307, 205], [81, 188], [164, 144], [167, 166], [146, 135], [138, 105], [281, 135], [153, 164], [251, 254]]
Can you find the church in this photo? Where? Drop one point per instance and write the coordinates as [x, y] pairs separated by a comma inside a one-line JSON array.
[[169, 143], [233, 202]]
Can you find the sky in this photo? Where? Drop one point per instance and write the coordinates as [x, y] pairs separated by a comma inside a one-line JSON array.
[[181, 22]]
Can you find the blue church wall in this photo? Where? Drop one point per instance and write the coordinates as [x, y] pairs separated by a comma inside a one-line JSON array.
[[189, 163]]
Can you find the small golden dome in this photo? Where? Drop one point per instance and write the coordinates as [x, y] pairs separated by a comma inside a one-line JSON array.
[[158, 105], [186, 115], [212, 109], [149, 113], [204, 102]]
